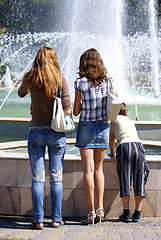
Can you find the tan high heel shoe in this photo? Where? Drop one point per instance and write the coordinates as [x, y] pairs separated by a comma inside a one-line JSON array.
[[57, 224], [91, 217], [100, 214], [37, 226]]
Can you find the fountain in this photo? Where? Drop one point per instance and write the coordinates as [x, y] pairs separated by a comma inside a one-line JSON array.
[[131, 58], [6, 79], [129, 42]]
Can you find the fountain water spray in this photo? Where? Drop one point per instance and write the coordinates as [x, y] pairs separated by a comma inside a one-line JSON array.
[[100, 24], [16, 82], [6, 79], [154, 48]]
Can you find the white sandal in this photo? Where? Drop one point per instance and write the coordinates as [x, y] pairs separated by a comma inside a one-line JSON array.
[[100, 215], [91, 217]]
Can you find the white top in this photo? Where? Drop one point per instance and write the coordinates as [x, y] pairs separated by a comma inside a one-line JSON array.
[[124, 129]]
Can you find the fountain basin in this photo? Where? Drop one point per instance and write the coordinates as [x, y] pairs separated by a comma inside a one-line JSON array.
[[151, 147], [15, 176], [15, 184], [17, 129]]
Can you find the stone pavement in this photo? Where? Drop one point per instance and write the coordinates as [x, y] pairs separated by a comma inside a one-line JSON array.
[[18, 228]]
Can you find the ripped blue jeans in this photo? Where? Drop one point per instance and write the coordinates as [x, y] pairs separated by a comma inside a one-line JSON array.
[[38, 140]]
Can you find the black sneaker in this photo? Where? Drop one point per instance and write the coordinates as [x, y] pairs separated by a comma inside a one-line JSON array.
[[136, 216], [125, 218]]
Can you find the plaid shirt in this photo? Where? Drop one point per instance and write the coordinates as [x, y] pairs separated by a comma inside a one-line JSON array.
[[93, 99]]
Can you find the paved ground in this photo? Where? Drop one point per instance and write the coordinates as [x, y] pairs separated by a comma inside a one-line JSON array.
[[18, 228]]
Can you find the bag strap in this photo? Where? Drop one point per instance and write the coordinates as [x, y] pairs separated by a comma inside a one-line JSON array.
[[108, 87], [57, 88], [112, 87]]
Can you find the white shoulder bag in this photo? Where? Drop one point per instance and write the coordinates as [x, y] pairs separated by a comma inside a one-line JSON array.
[[60, 122]]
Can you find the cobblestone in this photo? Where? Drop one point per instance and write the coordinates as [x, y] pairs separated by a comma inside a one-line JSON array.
[[18, 228]]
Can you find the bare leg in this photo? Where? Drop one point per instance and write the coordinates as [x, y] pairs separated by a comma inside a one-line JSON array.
[[138, 203], [99, 154], [125, 202], [88, 170]]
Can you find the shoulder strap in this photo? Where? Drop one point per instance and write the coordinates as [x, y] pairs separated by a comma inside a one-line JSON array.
[[112, 90], [57, 88], [108, 87]]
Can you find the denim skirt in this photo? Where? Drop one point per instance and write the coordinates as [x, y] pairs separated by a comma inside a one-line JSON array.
[[92, 134]]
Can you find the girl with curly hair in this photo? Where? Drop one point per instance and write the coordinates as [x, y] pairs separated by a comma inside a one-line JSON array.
[[93, 129]]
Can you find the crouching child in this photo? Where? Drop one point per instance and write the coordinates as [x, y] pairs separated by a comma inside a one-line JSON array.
[[131, 163]]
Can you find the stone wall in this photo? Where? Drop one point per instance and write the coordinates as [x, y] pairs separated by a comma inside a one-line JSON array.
[[15, 183]]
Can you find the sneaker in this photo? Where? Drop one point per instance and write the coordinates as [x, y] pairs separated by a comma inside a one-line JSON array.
[[136, 216], [125, 218]]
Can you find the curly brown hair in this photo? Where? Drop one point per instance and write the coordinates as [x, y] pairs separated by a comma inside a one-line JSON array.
[[92, 67], [45, 71]]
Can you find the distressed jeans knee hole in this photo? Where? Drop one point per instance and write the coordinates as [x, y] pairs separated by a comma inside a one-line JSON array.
[[56, 176], [38, 176]]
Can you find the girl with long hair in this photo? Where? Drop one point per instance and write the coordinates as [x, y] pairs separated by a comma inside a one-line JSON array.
[[42, 82]]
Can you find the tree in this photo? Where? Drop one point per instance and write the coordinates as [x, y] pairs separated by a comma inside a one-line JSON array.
[[48, 15]]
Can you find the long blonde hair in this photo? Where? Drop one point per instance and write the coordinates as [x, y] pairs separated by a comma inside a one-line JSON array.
[[45, 71]]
